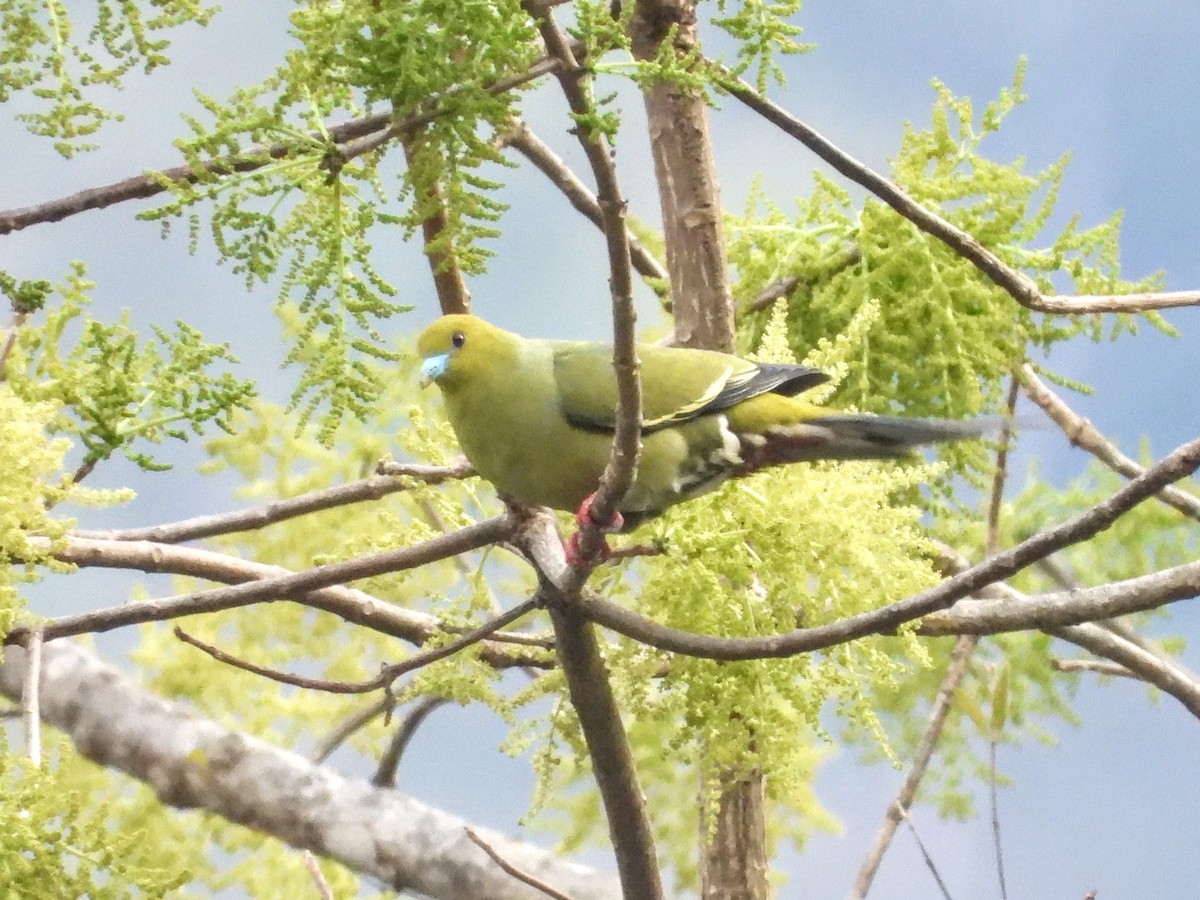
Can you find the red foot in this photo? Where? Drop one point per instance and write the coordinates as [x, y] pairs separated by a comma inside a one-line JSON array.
[[585, 518]]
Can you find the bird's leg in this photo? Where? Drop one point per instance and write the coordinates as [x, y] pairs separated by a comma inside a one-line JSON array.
[[584, 519]]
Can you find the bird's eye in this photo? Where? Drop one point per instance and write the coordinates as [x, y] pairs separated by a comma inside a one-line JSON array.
[[458, 339]]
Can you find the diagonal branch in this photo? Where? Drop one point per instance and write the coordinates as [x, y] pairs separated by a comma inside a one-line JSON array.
[[1082, 433], [622, 464], [1178, 464], [387, 675], [308, 586], [399, 477], [519, 137], [350, 139], [193, 762], [1015, 283]]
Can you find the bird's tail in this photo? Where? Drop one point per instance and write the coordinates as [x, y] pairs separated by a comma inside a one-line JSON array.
[[862, 436]]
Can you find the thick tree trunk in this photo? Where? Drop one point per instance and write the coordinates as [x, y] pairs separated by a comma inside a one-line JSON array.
[[734, 861], [735, 865], [687, 187]]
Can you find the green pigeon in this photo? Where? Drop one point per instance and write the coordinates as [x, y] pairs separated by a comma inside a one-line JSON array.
[[536, 418]]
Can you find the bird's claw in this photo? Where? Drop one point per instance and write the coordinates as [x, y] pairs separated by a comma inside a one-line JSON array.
[[585, 518]]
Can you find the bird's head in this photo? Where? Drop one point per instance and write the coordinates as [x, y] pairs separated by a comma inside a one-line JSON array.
[[455, 346]]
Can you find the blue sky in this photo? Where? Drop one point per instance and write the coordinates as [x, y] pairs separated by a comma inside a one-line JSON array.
[[1116, 805]]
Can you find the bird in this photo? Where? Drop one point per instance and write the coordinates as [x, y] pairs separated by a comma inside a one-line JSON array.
[[536, 418]]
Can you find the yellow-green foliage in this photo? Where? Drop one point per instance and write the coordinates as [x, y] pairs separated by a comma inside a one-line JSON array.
[[114, 391], [60, 838], [946, 335], [31, 465], [44, 55]]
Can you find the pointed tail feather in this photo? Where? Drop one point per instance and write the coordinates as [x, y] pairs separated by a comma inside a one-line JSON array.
[[861, 436]]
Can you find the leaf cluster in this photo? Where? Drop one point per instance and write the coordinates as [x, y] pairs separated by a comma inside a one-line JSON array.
[[113, 391], [55, 841], [40, 52]]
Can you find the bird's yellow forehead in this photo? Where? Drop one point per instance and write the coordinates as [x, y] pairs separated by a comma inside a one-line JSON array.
[[437, 337]]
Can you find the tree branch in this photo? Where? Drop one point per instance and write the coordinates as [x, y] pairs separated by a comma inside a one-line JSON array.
[[399, 477], [622, 465], [519, 137], [313, 587], [1179, 464], [1082, 433], [350, 139], [192, 762], [387, 674], [1016, 284], [590, 690], [512, 870]]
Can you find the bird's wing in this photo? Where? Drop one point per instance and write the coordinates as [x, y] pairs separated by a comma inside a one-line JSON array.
[[678, 384]]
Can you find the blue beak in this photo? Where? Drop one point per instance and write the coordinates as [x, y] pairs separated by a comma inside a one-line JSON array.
[[433, 368]]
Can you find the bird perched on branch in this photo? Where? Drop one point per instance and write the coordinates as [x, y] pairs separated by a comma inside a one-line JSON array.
[[536, 418]]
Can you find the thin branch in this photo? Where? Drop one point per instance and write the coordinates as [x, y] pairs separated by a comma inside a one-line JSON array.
[[352, 723], [31, 713], [350, 139], [622, 464], [347, 603], [1096, 666], [387, 674], [1083, 434], [399, 477], [1103, 639], [296, 586], [1176, 465], [929, 864], [10, 341], [1049, 611], [512, 870], [960, 656], [389, 763], [1016, 284], [993, 740], [519, 137], [590, 690], [314, 870], [787, 285]]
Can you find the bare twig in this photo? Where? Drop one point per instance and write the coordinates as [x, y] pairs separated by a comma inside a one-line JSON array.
[[1174, 585], [1082, 433], [314, 870], [956, 670], [782, 287], [622, 465], [1103, 639], [389, 763], [352, 723], [519, 137], [929, 864], [10, 341], [512, 870], [960, 656], [31, 710], [387, 674], [993, 740], [1016, 284], [398, 477], [1096, 666], [350, 139]]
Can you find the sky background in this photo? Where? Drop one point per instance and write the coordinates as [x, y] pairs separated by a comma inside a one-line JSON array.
[[1115, 805]]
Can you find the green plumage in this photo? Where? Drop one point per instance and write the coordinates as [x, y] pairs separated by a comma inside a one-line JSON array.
[[536, 417]]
